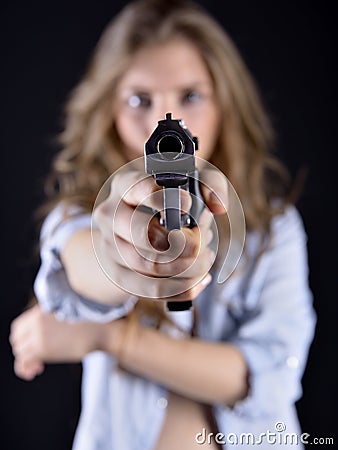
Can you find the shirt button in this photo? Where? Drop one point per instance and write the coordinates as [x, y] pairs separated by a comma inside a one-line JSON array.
[[292, 362], [162, 402]]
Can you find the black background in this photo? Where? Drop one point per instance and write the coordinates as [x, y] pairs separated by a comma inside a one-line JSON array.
[[290, 47]]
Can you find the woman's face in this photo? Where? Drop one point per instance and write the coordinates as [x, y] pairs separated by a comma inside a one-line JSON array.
[[170, 77]]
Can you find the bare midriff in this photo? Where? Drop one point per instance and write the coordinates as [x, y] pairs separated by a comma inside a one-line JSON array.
[[185, 419]]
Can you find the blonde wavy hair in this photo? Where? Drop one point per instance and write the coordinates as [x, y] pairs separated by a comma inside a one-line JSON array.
[[91, 149], [90, 146]]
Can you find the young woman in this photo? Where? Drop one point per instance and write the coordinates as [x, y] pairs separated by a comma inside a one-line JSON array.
[[154, 379]]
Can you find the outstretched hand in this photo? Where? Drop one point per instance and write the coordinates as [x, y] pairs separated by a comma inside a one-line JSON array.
[[139, 254]]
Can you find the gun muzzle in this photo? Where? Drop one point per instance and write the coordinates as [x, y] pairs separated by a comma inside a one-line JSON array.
[[170, 146]]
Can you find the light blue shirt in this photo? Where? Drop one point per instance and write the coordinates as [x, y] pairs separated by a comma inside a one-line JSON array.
[[266, 311]]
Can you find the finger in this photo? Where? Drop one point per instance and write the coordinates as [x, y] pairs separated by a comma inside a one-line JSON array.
[[131, 224], [145, 232], [186, 242], [141, 285], [135, 189], [206, 218], [193, 292], [153, 241], [19, 335], [28, 370], [137, 227], [26, 350], [162, 266], [214, 188], [196, 239], [21, 326], [19, 370]]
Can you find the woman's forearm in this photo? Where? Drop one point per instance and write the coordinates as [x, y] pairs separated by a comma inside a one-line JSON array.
[[85, 275], [204, 371]]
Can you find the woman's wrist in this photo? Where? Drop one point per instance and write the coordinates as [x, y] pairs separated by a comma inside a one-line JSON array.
[[110, 337], [116, 338], [92, 336]]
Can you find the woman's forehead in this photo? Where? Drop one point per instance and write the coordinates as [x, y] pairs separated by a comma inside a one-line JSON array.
[[174, 63]]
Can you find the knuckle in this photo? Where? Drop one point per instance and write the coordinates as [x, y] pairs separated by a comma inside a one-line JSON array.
[[154, 268], [13, 329], [117, 180], [153, 289], [97, 213], [100, 213]]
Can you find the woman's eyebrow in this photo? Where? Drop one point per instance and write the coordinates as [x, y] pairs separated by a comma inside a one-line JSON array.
[[194, 85], [138, 89], [142, 88]]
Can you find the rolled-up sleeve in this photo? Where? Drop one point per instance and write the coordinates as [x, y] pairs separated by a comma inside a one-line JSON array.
[[276, 336], [51, 285]]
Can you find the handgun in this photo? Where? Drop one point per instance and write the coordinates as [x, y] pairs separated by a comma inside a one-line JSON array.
[[170, 159]]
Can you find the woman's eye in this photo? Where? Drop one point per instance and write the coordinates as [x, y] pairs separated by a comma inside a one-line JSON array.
[[191, 97], [139, 101]]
